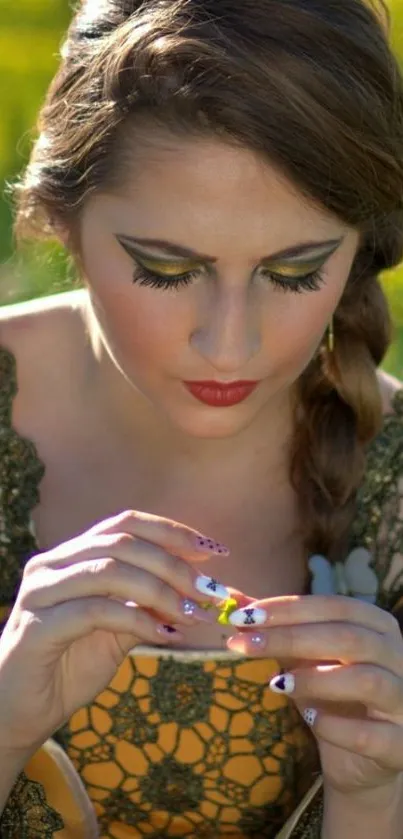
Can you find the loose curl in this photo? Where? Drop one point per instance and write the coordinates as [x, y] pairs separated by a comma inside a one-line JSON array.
[[311, 86]]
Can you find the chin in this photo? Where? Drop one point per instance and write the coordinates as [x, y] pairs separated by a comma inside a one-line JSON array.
[[219, 424]]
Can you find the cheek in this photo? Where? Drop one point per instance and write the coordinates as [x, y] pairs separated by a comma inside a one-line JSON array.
[[142, 326], [295, 326]]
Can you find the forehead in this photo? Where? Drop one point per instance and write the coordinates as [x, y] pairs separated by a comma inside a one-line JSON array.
[[211, 196]]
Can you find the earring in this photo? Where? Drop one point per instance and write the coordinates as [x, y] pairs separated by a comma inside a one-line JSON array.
[[330, 337]]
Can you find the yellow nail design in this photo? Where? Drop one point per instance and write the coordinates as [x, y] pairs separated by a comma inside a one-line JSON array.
[[226, 608]]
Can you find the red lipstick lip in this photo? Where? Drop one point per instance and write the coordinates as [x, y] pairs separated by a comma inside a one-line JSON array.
[[224, 385], [221, 394]]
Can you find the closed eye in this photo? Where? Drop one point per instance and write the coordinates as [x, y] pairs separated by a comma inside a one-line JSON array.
[[143, 276], [306, 282], [312, 281]]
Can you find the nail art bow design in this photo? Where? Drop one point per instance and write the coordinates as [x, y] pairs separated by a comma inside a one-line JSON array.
[[249, 617], [354, 577]]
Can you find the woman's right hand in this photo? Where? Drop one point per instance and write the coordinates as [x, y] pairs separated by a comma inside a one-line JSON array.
[[83, 605]]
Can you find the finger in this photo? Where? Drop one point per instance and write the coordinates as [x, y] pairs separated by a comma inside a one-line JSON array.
[[71, 621], [375, 687], [323, 642], [295, 609], [380, 741], [174, 536], [241, 598], [139, 554], [109, 578]]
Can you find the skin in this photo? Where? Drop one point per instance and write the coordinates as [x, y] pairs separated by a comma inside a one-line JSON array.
[[230, 323]]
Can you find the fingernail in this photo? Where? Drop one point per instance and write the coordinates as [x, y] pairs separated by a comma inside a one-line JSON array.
[[310, 715], [191, 610], [166, 629], [257, 641], [237, 644], [210, 586], [246, 643], [283, 683], [203, 543], [248, 616]]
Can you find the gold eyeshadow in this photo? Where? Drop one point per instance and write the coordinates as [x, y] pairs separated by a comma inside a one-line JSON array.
[[172, 269], [168, 269], [293, 271]]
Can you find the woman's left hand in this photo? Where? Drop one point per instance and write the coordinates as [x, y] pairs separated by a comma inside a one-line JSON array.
[[344, 669]]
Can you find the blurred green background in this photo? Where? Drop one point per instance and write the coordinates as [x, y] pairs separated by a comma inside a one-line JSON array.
[[30, 35]]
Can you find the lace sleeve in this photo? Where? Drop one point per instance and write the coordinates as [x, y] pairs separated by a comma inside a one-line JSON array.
[[49, 800], [26, 814], [20, 474], [379, 521]]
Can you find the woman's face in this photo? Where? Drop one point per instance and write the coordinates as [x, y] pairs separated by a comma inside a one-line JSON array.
[[210, 267]]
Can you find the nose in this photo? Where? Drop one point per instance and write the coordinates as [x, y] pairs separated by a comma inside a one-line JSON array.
[[229, 335]]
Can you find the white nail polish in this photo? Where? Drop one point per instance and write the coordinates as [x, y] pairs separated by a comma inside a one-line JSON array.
[[248, 616], [283, 683], [210, 586], [310, 715]]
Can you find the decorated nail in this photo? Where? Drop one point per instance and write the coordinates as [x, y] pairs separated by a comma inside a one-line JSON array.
[[169, 631], [226, 609], [191, 610], [210, 586], [247, 642], [248, 616], [207, 545], [283, 683], [310, 715], [257, 641]]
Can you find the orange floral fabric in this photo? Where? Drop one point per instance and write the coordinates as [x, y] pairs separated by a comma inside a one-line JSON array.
[[175, 748]]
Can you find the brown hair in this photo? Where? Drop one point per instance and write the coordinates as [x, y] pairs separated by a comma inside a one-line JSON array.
[[311, 85]]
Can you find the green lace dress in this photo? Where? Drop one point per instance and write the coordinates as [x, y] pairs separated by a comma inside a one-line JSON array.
[[191, 745]]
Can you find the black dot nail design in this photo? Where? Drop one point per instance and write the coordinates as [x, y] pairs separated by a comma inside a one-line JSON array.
[[211, 545]]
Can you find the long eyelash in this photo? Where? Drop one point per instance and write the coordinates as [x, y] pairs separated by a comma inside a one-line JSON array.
[[307, 282], [143, 276]]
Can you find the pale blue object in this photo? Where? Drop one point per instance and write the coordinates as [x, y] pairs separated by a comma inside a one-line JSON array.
[[323, 581], [354, 577]]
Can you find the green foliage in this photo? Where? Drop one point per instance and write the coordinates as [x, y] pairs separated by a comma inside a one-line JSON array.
[[31, 32]]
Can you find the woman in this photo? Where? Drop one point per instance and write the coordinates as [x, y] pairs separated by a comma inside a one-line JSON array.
[[228, 179]]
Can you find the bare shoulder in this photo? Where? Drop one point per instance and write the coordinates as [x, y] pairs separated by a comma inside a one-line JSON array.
[[47, 339], [41, 332], [389, 386], [34, 323]]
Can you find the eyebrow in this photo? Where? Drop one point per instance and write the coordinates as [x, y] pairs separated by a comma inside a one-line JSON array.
[[180, 251]]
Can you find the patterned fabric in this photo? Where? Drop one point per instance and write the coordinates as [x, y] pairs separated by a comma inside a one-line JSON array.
[[20, 474], [191, 749], [173, 748], [27, 814]]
